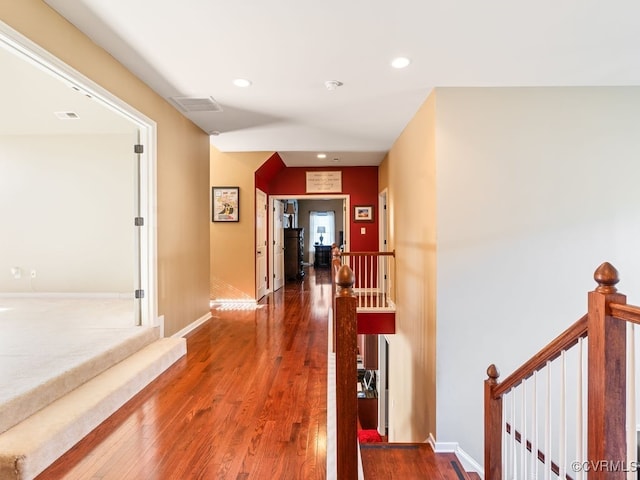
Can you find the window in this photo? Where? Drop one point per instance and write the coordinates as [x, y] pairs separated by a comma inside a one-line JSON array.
[[322, 224]]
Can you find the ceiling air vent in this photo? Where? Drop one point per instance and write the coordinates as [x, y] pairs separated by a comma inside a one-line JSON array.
[[67, 115], [196, 104]]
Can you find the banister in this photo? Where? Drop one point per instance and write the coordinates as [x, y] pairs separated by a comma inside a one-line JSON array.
[[630, 313], [564, 341], [605, 327], [345, 328], [363, 254]]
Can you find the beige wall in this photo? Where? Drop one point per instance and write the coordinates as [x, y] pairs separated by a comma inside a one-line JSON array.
[[233, 258], [182, 160], [409, 172]]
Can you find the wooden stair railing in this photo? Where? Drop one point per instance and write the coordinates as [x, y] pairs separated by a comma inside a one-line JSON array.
[[605, 326], [373, 278], [345, 344]]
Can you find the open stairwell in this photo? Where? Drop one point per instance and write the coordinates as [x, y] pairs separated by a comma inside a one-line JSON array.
[[40, 425]]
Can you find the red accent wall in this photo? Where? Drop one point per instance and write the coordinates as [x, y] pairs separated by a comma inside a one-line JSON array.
[[267, 171], [376, 322], [360, 183]]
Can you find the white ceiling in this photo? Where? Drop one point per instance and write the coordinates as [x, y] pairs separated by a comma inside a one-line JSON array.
[[289, 48], [30, 97]]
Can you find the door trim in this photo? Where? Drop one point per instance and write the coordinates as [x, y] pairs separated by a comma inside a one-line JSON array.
[[20, 45], [347, 219]]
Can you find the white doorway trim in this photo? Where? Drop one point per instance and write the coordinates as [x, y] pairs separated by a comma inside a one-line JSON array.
[[261, 244], [346, 219], [41, 58]]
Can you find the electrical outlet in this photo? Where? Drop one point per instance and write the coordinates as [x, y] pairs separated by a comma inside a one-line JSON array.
[[16, 272], [33, 274]]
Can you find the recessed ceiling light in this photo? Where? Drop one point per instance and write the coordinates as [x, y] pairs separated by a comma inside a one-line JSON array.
[[242, 82], [400, 62], [322, 155]]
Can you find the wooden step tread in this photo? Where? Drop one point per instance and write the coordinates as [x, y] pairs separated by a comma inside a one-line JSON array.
[[409, 461]]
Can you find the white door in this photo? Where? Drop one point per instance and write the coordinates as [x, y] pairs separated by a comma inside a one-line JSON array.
[[278, 245], [261, 244]]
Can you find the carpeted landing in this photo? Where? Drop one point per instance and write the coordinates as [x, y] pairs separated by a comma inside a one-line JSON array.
[[51, 397]]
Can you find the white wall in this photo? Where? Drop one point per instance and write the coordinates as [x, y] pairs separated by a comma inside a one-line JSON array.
[[535, 188], [66, 205]]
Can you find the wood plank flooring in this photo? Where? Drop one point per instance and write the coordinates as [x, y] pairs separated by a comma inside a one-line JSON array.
[[409, 461], [247, 402]]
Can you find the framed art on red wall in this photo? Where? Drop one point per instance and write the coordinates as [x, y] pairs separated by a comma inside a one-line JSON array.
[[363, 213]]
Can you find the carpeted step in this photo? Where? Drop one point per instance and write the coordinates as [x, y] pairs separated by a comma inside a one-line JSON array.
[[32, 445], [29, 401]]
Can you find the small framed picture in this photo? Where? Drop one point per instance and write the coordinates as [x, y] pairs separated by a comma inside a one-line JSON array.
[[363, 213], [225, 204]]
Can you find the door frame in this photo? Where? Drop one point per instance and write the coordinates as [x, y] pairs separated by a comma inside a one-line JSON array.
[[146, 262], [346, 218], [259, 281], [272, 245]]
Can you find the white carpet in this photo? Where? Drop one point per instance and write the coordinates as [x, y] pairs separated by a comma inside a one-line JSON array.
[[44, 338], [65, 366]]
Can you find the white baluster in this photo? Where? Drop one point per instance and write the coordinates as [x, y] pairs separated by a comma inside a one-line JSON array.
[[503, 429], [534, 426], [523, 432], [579, 475], [632, 439], [514, 465], [563, 416], [547, 426]]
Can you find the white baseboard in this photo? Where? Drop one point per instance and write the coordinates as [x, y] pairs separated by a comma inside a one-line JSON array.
[[192, 326], [467, 461]]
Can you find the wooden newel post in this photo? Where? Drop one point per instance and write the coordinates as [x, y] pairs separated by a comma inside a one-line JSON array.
[[346, 375], [607, 377], [492, 427]]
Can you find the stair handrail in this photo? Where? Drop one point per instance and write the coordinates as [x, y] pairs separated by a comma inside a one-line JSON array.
[[550, 352], [605, 327], [346, 352]]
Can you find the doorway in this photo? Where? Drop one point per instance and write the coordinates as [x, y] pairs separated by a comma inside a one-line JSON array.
[[301, 220], [261, 244], [78, 185]]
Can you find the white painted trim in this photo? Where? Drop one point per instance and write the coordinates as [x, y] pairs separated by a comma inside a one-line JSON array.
[[42, 59], [241, 302], [346, 198], [467, 461], [445, 447], [191, 327]]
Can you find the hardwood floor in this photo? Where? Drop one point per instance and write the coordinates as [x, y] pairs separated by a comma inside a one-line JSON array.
[[409, 461], [247, 402]]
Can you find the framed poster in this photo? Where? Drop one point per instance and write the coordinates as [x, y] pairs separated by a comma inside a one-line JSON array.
[[363, 213], [225, 204]]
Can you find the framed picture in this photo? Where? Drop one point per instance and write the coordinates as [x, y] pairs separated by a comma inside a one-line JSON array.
[[225, 204], [363, 213]]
